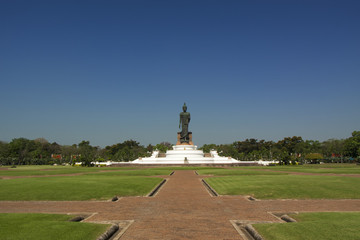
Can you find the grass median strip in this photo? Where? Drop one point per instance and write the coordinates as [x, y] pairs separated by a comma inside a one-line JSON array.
[[311, 168], [83, 187], [341, 169], [16, 226], [135, 172], [329, 226], [52, 170], [288, 186], [236, 172]]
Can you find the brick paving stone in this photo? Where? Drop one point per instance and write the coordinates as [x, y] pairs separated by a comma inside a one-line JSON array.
[[182, 209]]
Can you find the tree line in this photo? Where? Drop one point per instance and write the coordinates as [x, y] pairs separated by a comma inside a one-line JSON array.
[[292, 149], [22, 151]]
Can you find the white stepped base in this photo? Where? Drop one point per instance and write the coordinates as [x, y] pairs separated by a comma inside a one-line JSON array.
[[185, 154]]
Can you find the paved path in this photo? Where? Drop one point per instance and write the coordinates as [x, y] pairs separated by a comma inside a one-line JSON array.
[[182, 209]]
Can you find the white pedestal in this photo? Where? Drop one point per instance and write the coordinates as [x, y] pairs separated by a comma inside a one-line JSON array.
[[185, 154]]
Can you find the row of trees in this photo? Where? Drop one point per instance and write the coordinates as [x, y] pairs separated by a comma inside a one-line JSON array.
[[22, 151], [292, 149]]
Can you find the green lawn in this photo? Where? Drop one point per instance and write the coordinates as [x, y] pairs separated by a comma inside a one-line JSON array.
[[135, 172], [288, 186], [187, 168], [312, 168], [326, 226], [321, 168], [251, 170], [236, 172], [33, 170], [19, 226], [83, 187], [54, 170]]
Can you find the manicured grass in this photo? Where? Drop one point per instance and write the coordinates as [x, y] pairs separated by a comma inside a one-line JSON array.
[[187, 168], [288, 186], [19, 226], [236, 171], [135, 172], [325, 165], [329, 226], [83, 187], [312, 168], [33, 170], [54, 170], [321, 168]]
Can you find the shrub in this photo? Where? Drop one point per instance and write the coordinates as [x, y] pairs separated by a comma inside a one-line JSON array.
[[314, 157]]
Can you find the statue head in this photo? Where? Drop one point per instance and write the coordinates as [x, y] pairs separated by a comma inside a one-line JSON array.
[[184, 107]]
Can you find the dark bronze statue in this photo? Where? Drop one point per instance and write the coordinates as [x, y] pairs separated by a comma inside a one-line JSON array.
[[184, 122]]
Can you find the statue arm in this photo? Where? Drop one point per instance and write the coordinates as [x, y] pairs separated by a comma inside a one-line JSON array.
[[180, 121]]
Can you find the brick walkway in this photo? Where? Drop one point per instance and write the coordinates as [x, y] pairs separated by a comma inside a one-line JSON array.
[[182, 209]]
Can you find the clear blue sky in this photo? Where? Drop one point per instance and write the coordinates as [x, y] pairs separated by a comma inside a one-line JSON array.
[[109, 71]]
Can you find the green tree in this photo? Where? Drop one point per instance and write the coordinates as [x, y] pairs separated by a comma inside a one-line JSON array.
[[253, 149], [68, 152], [228, 150], [43, 151], [150, 148], [163, 146], [314, 157], [289, 144], [127, 151], [4, 154], [333, 149], [352, 145], [20, 148], [208, 147], [284, 158], [125, 154], [87, 152]]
